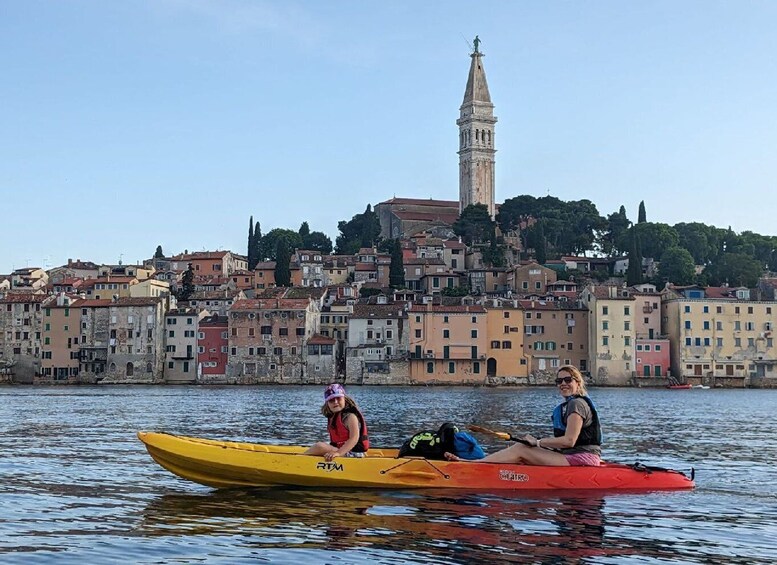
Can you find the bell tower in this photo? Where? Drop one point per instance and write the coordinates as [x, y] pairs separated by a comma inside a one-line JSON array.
[[476, 138]]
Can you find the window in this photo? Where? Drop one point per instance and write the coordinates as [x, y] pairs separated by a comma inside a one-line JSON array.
[[719, 309], [605, 340], [476, 367], [495, 345], [446, 334], [749, 326], [706, 342], [474, 319], [639, 347], [719, 342], [506, 314], [430, 366], [446, 352], [605, 310], [626, 326], [737, 342], [706, 309], [627, 341], [507, 345], [451, 367], [737, 326], [605, 325], [647, 347], [445, 319], [706, 324], [418, 333], [687, 309], [626, 311], [281, 331], [688, 341], [474, 351], [474, 333], [749, 309], [687, 324], [718, 325]]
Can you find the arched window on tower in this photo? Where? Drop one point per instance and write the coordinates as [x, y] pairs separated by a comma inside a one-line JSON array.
[[477, 135], [489, 137]]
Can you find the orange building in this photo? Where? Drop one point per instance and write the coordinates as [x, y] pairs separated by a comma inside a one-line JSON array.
[[447, 343]]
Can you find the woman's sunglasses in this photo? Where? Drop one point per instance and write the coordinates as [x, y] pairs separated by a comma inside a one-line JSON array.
[[567, 380]]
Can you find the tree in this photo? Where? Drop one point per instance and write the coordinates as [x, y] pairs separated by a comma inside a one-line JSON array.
[[735, 269], [159, 254], [251, 248], [318, 241], [258, 243], [613, 240], [634, 272], [282, 261], [455, 290], [269, 244], [474, 225], [363, 230], [304, 230], [396, 269], [700, 240], [676, 267], [540, 244], [187, 284], [642, 216], [656, 238]]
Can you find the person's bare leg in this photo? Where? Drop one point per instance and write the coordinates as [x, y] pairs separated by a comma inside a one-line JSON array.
[[320, 448]]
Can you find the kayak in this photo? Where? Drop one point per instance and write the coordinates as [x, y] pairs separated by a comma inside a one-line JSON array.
[[679, 387], [228, 464]]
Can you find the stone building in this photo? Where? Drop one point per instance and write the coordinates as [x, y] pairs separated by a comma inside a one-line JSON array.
[[267, 339], [181, 329], [20, 336], [377, 339], [136, 345]]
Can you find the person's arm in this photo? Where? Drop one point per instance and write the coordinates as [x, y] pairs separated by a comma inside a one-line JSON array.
[[352, 423], [575, 423]]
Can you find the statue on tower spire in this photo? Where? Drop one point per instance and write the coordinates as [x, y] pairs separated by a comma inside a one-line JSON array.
[[476, 42]]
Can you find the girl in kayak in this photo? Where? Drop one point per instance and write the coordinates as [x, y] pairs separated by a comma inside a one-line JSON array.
[[577, 436], [346, 426]]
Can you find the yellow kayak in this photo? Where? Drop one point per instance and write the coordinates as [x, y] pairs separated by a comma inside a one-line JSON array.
[[225, 464]]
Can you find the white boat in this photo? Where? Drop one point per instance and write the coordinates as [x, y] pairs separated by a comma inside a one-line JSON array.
[[703, 387]]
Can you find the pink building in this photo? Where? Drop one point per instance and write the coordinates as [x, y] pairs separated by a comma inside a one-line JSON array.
[[652, 357]]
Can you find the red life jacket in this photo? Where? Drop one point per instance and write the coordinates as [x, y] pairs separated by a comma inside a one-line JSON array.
[[339, 434]]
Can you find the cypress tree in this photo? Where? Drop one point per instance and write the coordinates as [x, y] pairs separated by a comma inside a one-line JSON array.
[[251, 252], [634, 271], [396, 270], [282, 260], [642, 216], [258, 251]]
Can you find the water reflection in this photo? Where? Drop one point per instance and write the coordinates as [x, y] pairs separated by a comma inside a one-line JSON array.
[[448, 525]]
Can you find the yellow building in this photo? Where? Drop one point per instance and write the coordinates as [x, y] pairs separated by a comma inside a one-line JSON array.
[[611, 333], [448, 344], [719, 337], [149, 288], [505, 354]]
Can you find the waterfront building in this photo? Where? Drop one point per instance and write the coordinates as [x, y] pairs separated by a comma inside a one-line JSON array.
[[267, 338], [334, 324], [136, 352], [377, 340], [320, 359], [20, 335], [652, 349], [212, 348], [505, 358], [476, 139], [555, 333], [447, 343], [60, 358], [719, 337], [611, 333], [181, 345], [95, 341]]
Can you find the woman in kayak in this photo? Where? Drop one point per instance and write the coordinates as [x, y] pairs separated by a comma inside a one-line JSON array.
[[577, 436], [346, 426]]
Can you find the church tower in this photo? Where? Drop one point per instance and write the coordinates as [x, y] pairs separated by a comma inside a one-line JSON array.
[[476, 139]]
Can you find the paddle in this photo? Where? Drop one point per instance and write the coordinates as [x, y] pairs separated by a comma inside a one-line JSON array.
[[502, 435]]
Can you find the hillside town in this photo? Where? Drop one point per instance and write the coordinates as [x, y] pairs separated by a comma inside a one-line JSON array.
[[417, 291]]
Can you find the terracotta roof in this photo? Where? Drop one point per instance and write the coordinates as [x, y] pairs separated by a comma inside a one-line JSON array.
[[262, 265], [366, 267], [93, 303], [138, 301], [22, 297], [214, 294], [423, 261], [199, 255], [423, 202], [603, 293], [214, 321]]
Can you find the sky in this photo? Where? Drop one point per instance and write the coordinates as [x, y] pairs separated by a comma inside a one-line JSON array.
[[127, 125]]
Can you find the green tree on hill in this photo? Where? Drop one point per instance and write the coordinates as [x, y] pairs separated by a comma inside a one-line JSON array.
[[642, 216], [363, 230], [282, 262], [676, 267], [397, 269]]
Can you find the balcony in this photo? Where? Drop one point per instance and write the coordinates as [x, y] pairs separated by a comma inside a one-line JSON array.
[[647, 309]]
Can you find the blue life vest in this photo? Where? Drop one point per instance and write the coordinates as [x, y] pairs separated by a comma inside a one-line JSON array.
[[589, 435]]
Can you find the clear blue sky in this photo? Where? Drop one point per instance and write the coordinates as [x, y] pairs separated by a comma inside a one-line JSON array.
[[124, 125]]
